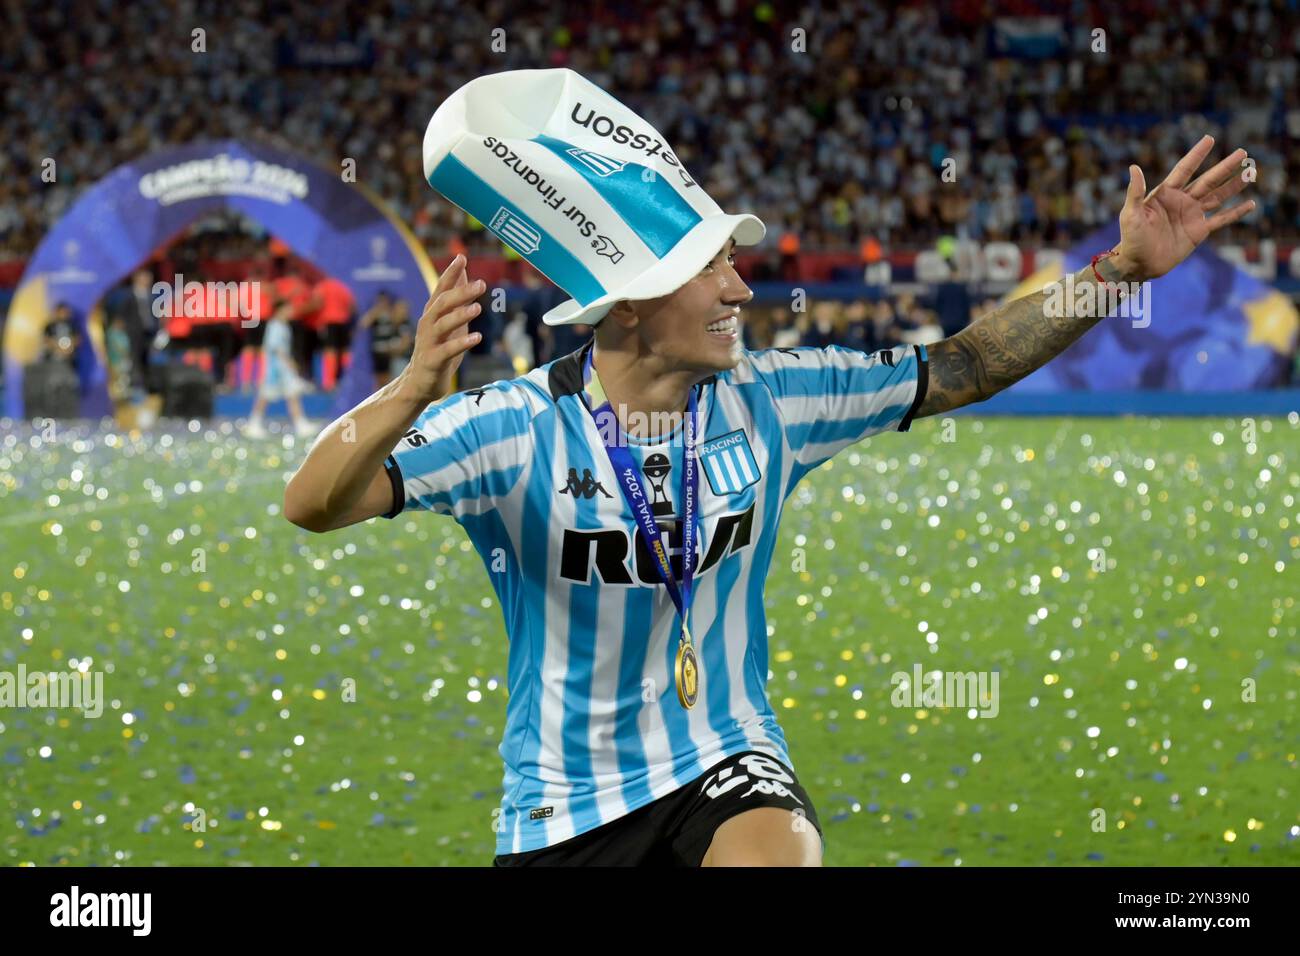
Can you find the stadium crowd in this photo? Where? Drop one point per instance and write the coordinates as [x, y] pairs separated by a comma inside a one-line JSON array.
[[844, 125], [831, 121], [323, 317]]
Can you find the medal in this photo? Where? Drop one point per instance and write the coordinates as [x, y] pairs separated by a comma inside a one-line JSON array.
[[686, 672], [686, 667]]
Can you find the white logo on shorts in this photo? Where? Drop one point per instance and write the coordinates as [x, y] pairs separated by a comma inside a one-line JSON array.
[[772, 779]]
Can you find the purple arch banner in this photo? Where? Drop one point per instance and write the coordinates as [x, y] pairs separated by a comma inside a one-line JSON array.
[[121, 220]]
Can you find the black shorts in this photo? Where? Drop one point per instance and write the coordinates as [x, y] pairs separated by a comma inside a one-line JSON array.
[[336, 335], [253, 334], [676, 830]]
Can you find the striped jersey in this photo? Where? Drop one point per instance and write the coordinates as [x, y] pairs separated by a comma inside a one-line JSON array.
[[593, 726]]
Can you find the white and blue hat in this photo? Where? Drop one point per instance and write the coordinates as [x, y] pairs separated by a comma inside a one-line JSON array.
[[579, 185]]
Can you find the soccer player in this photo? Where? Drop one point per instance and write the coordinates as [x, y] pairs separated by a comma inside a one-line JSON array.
[[628, 739]]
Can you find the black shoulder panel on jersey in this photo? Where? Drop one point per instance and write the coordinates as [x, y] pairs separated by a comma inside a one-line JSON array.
[[565, 377], [922, 385], [399, 492]]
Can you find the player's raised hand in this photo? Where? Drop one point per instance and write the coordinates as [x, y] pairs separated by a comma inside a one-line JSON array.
[[1160, 230], [441, 339]]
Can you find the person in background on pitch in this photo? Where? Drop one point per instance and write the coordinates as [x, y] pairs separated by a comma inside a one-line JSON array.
[[118, 347], [389, 337], [280, 378], [290, 287], [61, 335], [405, 336], [331, 307]]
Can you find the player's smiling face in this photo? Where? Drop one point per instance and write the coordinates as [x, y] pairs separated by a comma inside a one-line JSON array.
[[698, 326]]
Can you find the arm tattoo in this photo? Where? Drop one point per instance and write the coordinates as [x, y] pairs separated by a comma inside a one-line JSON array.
[[1001, 348]]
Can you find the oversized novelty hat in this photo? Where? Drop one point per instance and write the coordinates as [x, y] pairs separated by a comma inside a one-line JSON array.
[[579, 185]]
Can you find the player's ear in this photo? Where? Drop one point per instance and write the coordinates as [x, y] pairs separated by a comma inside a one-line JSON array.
[[623, 315]]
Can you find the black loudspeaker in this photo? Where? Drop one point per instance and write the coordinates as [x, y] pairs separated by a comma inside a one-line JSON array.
[[51, 390], [187, 392]]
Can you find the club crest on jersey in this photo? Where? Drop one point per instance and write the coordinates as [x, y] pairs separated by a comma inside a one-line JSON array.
[[728, 463]]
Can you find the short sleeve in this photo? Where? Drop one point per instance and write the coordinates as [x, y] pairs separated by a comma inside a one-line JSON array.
[[463, 454], [830, 398]]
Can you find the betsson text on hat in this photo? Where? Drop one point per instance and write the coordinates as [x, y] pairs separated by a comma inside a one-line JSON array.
[[579, 185]]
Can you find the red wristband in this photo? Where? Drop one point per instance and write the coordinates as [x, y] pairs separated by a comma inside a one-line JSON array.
[[1096, 259]]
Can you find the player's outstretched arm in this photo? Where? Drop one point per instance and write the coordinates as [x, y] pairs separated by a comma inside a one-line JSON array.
[[342, 479], [1157, 232]]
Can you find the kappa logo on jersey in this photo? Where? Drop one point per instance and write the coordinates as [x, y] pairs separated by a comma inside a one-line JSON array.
[[415, 438], [887, 357], [518, 232], [763, 774], [584, 487], [477, 393], [609, 550], [728, 463]]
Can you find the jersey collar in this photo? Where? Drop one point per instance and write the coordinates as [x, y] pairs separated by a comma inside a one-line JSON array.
[[565, 375]]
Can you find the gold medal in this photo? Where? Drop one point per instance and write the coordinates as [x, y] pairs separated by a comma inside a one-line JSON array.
[[686, 671]]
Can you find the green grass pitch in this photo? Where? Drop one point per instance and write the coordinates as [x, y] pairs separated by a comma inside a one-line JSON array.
[[1131, 581]]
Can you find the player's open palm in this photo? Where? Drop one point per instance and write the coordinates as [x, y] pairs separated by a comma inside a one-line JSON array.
[[1160, 230], [441, 338]]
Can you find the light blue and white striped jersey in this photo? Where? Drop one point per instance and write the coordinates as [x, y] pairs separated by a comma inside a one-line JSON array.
[[593, 726]]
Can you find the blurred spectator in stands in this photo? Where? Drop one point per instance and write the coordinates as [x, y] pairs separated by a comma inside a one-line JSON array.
[[756, 327], [490, 323], [789, 246], [952, 300], [882, 330], [851, 147], [916, 326], [820, 331], [875, 267], [790, 329], [61, 335], [851, 326], [517, 343], [538, 297]]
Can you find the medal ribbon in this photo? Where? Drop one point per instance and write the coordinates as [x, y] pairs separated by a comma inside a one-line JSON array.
[[629, 481]]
